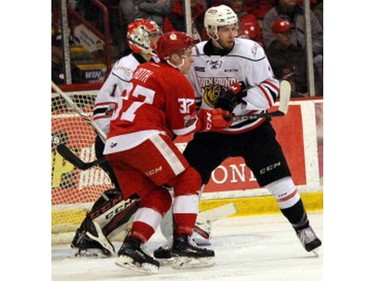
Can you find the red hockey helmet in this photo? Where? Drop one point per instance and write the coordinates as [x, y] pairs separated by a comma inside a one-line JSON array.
[[173, 42], [139, 32]]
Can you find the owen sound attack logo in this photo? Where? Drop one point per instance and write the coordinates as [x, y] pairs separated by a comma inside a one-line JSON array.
[[211, 93]]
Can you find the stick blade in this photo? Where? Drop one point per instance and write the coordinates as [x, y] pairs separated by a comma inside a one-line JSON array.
[[69, 156], [217, 213], [285, 92]]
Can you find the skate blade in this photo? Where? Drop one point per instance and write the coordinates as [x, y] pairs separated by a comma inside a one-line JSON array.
[[129, 263], [164, 262], [88, 253], [189, 263], [316, 252]]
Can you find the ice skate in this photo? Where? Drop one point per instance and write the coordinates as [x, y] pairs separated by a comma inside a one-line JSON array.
[[89, 241], [187, 254], [163, 253], [200, 237], [133, 255], [309, 240]]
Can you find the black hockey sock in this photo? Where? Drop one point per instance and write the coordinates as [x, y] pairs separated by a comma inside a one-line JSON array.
[[296, 215]]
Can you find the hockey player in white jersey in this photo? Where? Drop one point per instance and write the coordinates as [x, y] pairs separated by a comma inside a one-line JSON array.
[[234, 74], [100, 224]]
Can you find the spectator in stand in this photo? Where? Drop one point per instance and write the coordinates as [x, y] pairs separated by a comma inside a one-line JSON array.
[[318, 11], [175, 21], [248, 24], [288, 61], [316, 6], [212, 3], [91, 12], [258, 8], [291, 11], [154, 10]]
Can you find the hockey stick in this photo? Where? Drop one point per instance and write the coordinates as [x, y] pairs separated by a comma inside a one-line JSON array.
[[204, 218], [75, 160], [282, 110], [79, 111], [217, 213]]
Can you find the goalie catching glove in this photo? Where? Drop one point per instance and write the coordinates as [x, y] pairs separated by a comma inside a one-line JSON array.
[[212, 120], [232, 97]]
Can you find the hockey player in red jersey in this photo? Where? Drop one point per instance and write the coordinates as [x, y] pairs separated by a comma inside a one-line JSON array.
[[222, 65], [92, 237], [139, 148]]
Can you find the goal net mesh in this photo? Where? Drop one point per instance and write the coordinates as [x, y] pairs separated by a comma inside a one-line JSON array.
[[73, 191]]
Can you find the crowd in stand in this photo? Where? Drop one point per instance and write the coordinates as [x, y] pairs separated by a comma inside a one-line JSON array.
[[277, 25]]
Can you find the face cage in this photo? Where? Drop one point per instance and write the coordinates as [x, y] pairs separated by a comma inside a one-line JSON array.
[[138, 47]]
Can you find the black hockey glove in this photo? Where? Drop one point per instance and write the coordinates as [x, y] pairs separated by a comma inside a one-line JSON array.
[[232, 97]]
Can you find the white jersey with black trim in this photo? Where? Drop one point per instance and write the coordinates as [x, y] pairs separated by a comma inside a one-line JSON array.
[[211, 75], [117, 82]]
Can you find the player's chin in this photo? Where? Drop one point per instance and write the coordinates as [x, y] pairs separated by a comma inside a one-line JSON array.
[[229, 45], [185, 70]]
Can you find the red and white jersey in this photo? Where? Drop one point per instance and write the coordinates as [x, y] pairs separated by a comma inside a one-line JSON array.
[[161, 101], [212, 74], [116, 83]]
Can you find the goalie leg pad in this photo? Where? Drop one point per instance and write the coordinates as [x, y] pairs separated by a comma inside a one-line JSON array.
[[90, 241], [113, 213], [108, 216]]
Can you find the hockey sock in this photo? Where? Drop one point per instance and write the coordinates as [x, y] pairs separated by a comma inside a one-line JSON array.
[[296, 215], [289, 201]]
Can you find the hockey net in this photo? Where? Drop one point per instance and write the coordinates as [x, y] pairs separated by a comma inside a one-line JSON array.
[[73, 191]]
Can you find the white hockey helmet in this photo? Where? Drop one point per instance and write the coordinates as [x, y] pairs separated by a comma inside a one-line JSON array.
[[218, 16]]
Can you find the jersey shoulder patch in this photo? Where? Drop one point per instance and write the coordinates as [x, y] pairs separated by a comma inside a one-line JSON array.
[[124, 67], [249, 48]]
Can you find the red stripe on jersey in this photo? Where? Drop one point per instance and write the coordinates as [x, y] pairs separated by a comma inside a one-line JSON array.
[[265, 93], [272, 85]]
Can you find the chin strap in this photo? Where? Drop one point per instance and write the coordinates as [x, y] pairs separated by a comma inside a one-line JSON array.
[[177, 66], [216, 44]]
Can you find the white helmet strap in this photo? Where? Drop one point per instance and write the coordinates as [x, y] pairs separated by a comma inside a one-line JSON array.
[[177, 66], [216, 43]]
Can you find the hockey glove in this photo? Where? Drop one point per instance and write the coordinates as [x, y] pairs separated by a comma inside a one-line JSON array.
[[232, 97], [212, 120]]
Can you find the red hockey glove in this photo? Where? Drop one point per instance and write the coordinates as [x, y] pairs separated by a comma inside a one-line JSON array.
[[232, 97], [213, 120]]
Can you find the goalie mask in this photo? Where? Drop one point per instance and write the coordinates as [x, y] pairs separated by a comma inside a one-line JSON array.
[[218, 16], [173, 42], [139, 33]]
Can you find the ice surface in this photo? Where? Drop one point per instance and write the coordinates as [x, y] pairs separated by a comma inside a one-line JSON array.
[[254, 248]]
